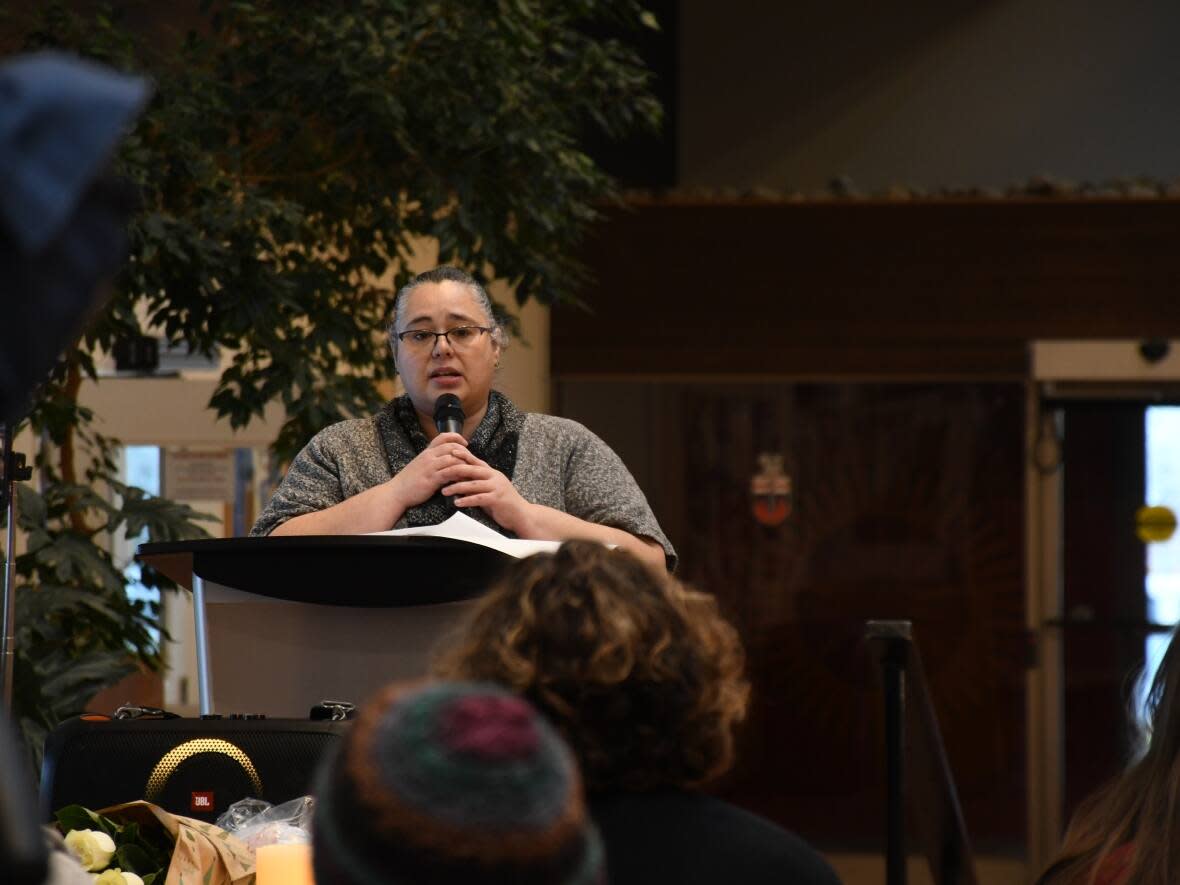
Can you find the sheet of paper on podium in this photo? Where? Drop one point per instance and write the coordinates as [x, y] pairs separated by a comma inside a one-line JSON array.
[[462, 527]]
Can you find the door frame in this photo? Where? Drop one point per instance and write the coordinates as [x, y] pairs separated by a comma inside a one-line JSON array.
[[1131, 369]]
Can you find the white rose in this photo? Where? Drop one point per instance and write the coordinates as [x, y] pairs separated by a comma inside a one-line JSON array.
[[93, 848], [115, 876]]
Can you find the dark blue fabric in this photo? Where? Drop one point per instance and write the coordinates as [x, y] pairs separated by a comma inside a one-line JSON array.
[[62, 216], [60, 120]]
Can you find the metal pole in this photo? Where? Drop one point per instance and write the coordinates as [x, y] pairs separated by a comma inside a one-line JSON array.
[[8, 631], [204, 676], [893, 666], [12, 468]]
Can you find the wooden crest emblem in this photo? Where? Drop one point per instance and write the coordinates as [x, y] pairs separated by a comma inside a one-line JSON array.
[[770, 489]]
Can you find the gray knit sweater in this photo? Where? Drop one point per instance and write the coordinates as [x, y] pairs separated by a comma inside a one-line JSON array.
[[559, 463]]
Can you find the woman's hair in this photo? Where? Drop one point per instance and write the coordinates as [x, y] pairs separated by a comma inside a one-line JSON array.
[[441, 274], [1139, 811], [642, 675]]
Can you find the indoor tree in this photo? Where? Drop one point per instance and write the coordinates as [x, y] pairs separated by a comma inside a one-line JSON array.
[[294, 155]]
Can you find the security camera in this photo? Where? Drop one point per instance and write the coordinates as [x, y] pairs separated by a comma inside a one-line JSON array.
[[1154, 349]]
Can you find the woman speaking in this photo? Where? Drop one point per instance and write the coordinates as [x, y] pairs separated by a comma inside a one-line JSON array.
[[452, 442]]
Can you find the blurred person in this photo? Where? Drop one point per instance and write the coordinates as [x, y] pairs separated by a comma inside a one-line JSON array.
[[644, 678], [62, 237], [1123, 832], [526, 475], [62, 214], [452, 784]]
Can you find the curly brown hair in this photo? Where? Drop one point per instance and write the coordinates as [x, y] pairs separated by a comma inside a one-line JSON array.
[[642, 675]]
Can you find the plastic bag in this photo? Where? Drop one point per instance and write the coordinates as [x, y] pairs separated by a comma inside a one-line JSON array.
[[256, 822]]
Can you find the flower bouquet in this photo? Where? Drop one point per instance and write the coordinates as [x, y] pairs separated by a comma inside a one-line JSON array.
[[139, 842], [116, 853]]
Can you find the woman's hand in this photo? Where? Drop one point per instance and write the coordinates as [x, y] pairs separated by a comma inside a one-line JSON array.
[[474, 483], [379, 508], [426, 474]]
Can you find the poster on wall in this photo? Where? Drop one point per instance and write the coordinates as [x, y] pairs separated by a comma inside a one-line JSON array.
[[198, 474]]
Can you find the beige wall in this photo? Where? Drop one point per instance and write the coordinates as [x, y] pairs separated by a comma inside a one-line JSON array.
[[524, 368]]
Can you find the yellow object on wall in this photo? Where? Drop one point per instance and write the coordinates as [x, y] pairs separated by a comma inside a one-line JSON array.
[[1154, 524]]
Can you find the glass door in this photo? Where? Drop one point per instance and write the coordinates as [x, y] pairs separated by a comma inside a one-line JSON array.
[[1162, 493]]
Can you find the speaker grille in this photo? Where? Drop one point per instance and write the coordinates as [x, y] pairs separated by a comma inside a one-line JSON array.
[[192, 767]]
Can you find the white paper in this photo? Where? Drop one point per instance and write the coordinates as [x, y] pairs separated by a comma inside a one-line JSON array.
[[462, 527]]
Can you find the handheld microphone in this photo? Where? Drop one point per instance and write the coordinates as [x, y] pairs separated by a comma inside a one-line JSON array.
[[448, 414]]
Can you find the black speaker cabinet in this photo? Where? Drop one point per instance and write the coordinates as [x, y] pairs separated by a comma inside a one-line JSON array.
[[193, 767]]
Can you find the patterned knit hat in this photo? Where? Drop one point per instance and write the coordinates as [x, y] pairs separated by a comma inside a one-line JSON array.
[[453, 783]]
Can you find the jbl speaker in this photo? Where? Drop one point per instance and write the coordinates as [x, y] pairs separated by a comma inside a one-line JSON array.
[[193, 767]]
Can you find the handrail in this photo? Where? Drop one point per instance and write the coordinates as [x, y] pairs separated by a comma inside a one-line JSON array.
[[916, 765]]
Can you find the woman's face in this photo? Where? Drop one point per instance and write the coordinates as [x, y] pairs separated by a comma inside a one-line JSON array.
[[465, 368]]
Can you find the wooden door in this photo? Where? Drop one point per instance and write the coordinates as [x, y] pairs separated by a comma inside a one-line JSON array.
[[906, 502], [1104, 569]]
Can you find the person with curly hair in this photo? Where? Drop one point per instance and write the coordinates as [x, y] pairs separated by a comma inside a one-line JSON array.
[[1123, 832], [645, 680]]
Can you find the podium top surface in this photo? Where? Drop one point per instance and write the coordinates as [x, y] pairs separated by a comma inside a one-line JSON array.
[[374, 571]]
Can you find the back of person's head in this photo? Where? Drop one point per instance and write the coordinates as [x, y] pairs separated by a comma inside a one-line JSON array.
[[1129, 831], [452, 783], [642, 675]]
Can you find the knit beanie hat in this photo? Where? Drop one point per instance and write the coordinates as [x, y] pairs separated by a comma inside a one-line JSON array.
[[452, 783]]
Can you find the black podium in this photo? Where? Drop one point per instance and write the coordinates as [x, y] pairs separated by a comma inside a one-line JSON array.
[[284, 622]]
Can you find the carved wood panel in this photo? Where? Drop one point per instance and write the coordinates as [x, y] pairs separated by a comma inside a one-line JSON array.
[[907, 502]]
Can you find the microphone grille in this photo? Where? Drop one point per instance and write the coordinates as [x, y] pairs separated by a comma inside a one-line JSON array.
[[448, 403]]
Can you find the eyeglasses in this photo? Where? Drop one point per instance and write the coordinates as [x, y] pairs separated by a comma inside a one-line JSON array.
[[460, 337]]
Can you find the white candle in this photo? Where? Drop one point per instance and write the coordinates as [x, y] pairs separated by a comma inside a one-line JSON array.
[[283, 865]]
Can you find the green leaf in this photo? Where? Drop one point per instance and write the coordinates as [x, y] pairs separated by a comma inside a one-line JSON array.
[[87, 676], [75, 817], [134, 858], [70, 557], [162, 519]]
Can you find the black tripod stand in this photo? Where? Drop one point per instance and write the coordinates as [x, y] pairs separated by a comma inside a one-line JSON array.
[[12, 471], [22, 846]]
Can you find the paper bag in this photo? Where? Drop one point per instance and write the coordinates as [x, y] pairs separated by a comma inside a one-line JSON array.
[[204, 854]]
